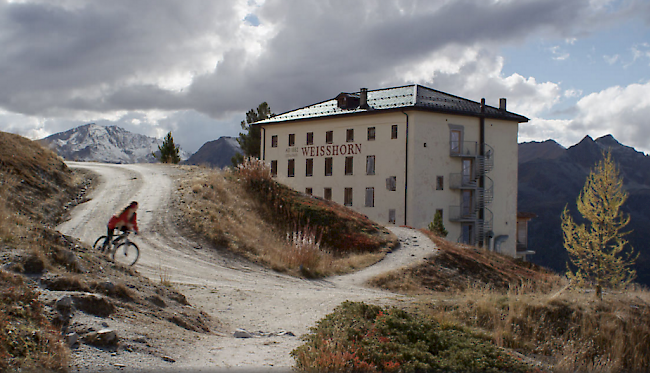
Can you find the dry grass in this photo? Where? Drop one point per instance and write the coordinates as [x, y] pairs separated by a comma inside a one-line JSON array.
[[221, 206], [165, 275], [458, 268], [530, 310], [569, 330]]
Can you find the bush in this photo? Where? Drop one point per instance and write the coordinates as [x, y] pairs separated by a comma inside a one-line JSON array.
[[436, 226], [358, 337]]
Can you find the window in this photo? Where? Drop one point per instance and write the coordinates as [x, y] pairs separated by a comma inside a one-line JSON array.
[[440, 182], [393, 131], [347, 197], [291, 168], [371, 133], [274, 168], [328, 166], [327, 193], [329, 137], [310, 138], [522, 233], [292, 139], [370, 165], [349, 162], [309, 167], [370, 197], [349, 135], [391, 216], [274, 141], [309, 191], [391, 183], [454, 141]]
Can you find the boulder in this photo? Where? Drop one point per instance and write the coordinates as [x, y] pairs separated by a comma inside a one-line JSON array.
[[102, 338]]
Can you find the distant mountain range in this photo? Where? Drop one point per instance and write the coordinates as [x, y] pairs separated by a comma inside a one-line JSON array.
[[551, 177], [108, 144], [217, 153]]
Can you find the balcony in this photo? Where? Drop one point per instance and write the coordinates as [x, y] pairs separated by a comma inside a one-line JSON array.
[[523, 251], [462, 214], [463, 149], [461, 181]]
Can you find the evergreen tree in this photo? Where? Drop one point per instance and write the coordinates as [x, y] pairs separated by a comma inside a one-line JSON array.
[[596, 250], [168, 151], [251, 140], [436, 226]]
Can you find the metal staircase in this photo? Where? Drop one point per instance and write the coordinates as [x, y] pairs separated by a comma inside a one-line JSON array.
[[483, 196]]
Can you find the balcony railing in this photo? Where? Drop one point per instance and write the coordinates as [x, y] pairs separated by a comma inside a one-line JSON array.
[[462, 213], [463, 148], [462, 181]]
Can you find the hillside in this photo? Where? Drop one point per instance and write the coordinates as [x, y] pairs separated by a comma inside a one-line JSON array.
[[530, 312], [55, 292], [550, 180]]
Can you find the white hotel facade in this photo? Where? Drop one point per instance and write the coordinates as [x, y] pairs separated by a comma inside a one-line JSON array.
[[400, 154]]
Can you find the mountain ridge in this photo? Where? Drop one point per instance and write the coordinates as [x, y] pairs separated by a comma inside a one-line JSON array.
[[108, 144], [216, 153], [548, 184]]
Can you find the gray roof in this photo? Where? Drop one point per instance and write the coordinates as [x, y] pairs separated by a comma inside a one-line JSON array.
[[407, 97]]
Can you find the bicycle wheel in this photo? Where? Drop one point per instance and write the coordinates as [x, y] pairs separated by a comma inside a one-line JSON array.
[[99, 244], [126, 253]]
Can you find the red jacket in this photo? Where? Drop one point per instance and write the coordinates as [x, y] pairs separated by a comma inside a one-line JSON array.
[[123, 221]]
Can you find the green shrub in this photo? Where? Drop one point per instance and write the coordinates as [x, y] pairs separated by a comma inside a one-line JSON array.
[[358, 337], [436, 226]]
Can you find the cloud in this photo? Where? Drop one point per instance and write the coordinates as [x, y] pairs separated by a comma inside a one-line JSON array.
[[570, 93], [66, 56], [611, 59], [205, 63], [558, 54], [620, 111]]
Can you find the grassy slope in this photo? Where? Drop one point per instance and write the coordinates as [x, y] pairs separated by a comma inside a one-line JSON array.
[[528, 309], [250, 214], [457, 267], [35, 185]]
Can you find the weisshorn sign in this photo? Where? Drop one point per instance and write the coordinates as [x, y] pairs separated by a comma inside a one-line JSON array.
[[330, 150]]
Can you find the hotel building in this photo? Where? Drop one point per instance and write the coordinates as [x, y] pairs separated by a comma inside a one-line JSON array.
[[400, 154]]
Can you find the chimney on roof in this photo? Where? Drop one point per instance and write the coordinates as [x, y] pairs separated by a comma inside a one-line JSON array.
[[363, 98], [502, 104]]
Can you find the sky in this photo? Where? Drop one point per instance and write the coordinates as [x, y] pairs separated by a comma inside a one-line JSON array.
[[195, 67]]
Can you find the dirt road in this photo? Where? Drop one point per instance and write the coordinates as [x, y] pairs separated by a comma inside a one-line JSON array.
[[240, 294]]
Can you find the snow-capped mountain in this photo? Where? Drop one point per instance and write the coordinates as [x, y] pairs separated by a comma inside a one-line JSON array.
[[111, 144]]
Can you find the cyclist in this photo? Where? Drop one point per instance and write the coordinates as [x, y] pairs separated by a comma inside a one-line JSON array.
[[125, 221]]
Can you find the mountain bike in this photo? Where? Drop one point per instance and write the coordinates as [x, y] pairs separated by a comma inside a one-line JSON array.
[[122, 250]]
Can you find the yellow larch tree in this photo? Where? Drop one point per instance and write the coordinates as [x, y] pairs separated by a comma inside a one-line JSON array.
[[597, 255]]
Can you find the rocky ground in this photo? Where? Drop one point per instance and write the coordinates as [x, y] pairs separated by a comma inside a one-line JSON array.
[[238, 316]]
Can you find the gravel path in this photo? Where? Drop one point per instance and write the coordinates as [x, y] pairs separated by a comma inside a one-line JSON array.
[[240, 294]]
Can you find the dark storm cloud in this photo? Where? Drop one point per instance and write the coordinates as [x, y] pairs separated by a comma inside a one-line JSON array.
[[63, 57], [99, 47], [324, 47]]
